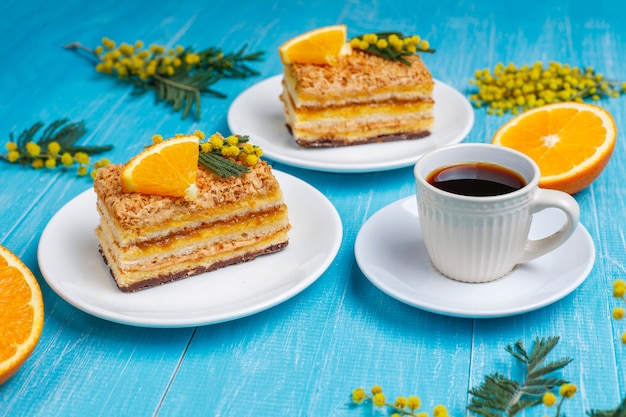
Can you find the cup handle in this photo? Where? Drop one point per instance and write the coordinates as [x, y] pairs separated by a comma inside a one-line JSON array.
[[544, 199]]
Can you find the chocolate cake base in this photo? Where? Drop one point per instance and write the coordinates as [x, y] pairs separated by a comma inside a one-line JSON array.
[[335, 143], [164, 279]]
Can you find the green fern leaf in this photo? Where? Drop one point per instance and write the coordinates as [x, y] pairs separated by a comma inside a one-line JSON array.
[[620, 411], [222, 167], [501, 396]]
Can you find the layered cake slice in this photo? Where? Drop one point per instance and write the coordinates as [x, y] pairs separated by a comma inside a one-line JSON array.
[[375, 89], [149, 239]]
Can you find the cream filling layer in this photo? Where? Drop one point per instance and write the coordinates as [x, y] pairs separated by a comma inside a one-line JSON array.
[[360, 112]]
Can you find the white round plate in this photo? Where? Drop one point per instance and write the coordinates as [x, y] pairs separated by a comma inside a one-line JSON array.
[[258, 113], [390, 251], [71, 264]]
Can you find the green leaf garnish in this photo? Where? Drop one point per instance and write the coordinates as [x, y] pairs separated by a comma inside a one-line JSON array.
[[222, 167]]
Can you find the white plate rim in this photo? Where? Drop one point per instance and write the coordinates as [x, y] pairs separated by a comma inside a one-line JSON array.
[[269, 132], [301, 198], [364, 259]]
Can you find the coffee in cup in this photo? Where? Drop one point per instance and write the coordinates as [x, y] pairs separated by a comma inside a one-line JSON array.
[[476, 203]]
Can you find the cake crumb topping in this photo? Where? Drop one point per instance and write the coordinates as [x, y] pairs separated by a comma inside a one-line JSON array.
[[134, 210], [360, 72]]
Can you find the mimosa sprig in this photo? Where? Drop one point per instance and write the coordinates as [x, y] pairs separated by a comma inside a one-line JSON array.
[[393, 46], [499, 395], [178, 76], [55, 147]]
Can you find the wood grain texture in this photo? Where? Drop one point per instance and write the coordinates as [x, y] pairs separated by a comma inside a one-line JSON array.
[[304, 356]]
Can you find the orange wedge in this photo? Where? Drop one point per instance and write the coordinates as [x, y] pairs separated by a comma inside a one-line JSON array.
[[571, 142], [168, 168], [21, 313], [319, 46]]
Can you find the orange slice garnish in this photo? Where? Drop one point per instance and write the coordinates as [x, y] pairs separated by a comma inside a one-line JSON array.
[[319, 46], [168, 168]]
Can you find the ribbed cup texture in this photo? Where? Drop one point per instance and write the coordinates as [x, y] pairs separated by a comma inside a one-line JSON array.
[[474, 240]]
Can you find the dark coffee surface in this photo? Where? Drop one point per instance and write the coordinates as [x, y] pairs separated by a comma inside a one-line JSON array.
[[476, 179]]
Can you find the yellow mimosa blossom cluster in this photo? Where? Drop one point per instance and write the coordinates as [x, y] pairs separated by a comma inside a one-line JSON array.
[[395, 41], [54, 148], [51, 157], [509, 88], [128, 60], [402, 406], [619, 292], [234, 147], [566, 391], [392, 46]]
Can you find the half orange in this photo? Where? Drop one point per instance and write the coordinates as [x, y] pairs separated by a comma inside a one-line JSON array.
[[319, 46], [168, 168], [21, 313], [571, 142]]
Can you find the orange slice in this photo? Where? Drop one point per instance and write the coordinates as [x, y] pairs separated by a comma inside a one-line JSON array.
[[21, 313], [319, 46], [168, 168], [571, 142]]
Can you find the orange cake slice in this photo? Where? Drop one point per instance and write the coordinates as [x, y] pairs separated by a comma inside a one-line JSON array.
[[357, 98], [147, 240]]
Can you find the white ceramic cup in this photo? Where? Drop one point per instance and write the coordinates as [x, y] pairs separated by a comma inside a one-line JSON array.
[[480, 239]]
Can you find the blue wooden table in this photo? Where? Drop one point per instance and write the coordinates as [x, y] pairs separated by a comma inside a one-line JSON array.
[[304, 356]]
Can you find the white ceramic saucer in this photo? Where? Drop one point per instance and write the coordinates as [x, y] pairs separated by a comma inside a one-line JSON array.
[[390, 251]]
